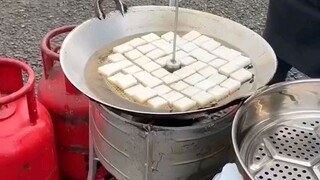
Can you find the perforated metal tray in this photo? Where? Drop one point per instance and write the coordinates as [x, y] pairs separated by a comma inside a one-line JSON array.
[[286, 150], [276, 133]]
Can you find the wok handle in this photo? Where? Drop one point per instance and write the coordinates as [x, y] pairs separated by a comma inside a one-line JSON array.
[[100, 14]]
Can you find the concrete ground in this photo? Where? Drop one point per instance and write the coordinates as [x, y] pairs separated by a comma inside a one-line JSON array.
[[23, 23]]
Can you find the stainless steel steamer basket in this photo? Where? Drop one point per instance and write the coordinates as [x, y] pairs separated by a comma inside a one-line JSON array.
[[276, 132], [94, 34]]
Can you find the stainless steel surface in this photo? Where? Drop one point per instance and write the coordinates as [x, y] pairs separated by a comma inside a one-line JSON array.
[[276, 133], [174, 64], [94, 34], [175, 31], [138, 151]]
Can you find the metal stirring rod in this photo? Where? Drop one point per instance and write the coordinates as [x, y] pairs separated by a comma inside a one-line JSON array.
[[173, 64], [175, 32]]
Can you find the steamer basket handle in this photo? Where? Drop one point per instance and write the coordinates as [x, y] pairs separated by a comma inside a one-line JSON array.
[[100, 14]]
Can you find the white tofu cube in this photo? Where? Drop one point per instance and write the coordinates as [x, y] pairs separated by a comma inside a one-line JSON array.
[[226, 53], [154, 82], [151, 81], [222, 52], [168, 36], [231, 84], [155, 54], [179, 86], [116, 78], [161, 43], [190, 91], [163, 60], [228, 69], [210, 45], [170, 78], [180, 41], [158, 103], [201, 40], [241, 61], [142, 75], [132, 69], [108, 69], [160, 73], [206, 84], [142, 60], [194, 79], [134, 90], [162, 89], [202, 55], [172, 96], [217, 63], [184, 72], [180, 55], [150, 66], [115, 57], [133, 54], [208, 71], [137, 42], [126, 81], [197, 53], [113, 79], [144, 94], [169, 49], [218, 78], [241, 75], [219, 92], [123, 64], [197, 65], [234, 52], [187, 61], [207, 57], [184, 104], [146, 48], [188, 47], [150, 37], [192, 35], [203, 98], [122, 48]]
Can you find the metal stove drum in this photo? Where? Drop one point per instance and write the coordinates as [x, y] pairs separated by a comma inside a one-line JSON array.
[[138, 142], [130, 149]]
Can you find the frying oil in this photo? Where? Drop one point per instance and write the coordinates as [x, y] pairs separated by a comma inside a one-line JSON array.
[[99, 86]]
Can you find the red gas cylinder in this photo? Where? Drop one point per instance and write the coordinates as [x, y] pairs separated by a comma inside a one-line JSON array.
[[68, 108], [26, 134]]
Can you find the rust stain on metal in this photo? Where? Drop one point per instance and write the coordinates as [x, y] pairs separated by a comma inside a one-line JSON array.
[[26, 166], [70, 119], [75, 149]]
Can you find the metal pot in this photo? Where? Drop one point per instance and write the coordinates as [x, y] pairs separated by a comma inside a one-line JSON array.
[[94, 34], [275, 133]]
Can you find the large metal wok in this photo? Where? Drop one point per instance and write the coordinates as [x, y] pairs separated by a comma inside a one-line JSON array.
[[94, 34]]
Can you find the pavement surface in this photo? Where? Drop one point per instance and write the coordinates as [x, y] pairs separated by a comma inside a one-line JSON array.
[[23, 23]]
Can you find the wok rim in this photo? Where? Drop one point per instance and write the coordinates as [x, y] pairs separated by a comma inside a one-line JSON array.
[[168, 113]]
